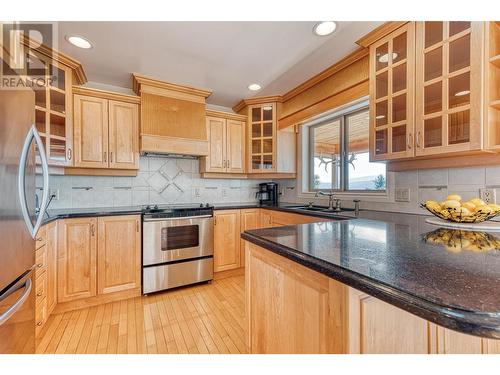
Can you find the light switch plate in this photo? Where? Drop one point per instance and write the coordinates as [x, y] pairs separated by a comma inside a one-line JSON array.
[[488, 195], [402, 195]]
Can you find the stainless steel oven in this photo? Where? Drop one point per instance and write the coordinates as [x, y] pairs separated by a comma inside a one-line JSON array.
[[177, 251]]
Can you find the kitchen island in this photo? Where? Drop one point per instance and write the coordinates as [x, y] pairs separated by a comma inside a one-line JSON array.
[[382, 283]]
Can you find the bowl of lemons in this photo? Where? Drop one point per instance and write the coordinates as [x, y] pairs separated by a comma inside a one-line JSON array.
[[455, 210]]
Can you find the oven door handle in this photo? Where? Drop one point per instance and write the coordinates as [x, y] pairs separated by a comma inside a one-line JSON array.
[[178, 218]]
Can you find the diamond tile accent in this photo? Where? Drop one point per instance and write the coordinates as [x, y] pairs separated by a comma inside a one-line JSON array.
[[158, 182], [170, 170]]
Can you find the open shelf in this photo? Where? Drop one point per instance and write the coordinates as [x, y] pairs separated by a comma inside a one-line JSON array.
[[495, 60], [495, 104]]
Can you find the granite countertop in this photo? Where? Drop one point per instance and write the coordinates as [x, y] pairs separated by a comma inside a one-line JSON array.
[[449, 277], [54, 214]]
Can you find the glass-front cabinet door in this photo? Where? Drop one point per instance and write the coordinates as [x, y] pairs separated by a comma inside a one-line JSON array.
[[53, 107], [391, 95], [448, 87], [262, 138]]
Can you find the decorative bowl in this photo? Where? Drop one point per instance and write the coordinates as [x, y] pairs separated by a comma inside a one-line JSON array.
[[453, 215]]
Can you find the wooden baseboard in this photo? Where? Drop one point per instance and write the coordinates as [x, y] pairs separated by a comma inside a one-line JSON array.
[[229, 273], [97, 300]]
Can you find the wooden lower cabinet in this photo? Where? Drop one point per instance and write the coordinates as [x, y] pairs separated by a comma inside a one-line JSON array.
[[45, 274], [376, 327], [249, 219], [99, 260], [292, 309], [77, 259], [226, 240], [118, 253]]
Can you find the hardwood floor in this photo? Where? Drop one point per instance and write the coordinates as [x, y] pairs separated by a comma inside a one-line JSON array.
[[206, 318]]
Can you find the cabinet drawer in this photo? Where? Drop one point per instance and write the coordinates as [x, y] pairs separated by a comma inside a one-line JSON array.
[[40, 288], [41, 238], [40, 315], [40, 261]]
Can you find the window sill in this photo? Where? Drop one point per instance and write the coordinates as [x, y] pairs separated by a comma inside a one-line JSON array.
[[345, 195]]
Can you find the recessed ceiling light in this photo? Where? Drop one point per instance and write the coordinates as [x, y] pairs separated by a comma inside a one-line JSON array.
[[78, 41], [462, 93], [267, 108], [324, 28], [254, 87], [385, 57]]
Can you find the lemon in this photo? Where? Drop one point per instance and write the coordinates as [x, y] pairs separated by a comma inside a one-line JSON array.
[[452, 203], [484, 209], [470, 206], [454, 197], [477, 202]]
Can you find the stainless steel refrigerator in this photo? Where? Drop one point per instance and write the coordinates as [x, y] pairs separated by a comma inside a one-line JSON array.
[[18, 222]]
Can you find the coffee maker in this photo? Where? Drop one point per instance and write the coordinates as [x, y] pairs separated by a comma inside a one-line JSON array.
[[268, 194]]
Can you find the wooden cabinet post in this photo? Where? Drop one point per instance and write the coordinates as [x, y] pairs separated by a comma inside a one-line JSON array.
[[249, 219]]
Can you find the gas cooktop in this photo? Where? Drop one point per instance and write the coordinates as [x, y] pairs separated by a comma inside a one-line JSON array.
[[176, 210]]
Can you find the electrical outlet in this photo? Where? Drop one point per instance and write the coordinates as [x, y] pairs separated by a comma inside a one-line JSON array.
[[402, 195], [55, 193], [224, 193], [197, 192], [488, 195]]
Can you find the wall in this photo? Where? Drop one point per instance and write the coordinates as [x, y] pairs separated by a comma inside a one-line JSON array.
[[435, 184], [159, 181]]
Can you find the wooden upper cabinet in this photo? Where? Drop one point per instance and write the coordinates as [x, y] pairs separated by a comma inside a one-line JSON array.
[[119, 253], [215, 162], [226, 240], [226, 143], [448, 87], [262, 138], [123, 135], [106, 131], [392, 64], [235, 146], [77, 257], [90, 132]]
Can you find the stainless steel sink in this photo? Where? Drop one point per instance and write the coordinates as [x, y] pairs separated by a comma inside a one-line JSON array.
[[321, 209]]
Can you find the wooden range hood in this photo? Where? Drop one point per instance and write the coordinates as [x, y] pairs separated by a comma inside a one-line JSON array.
[[172, 118]]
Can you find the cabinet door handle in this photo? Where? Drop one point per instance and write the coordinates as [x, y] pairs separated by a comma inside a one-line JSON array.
[[69, 154], [137, 226], [410, 141], [111, 157], [228, 164], [105, 157], [418, 140], [92, 230]]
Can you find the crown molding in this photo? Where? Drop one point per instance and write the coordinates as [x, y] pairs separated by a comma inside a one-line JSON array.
[[60, 57], [226, 115], [140, 80], [358, 54], [379, 33], [81, 90], [257, 100]]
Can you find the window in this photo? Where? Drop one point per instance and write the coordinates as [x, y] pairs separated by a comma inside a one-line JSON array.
[[339, 157]]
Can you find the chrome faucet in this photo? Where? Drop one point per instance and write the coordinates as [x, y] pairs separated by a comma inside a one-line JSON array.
[[331, 199]]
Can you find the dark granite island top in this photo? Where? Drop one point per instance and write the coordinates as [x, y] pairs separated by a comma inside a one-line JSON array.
[[451, 278]]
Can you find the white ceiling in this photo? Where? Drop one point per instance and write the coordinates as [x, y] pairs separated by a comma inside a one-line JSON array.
[[224, 57]]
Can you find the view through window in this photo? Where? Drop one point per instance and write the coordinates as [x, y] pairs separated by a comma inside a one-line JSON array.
[[339, 156]]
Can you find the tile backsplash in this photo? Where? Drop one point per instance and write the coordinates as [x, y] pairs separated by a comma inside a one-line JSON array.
[[159, 181], [425, 184]]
